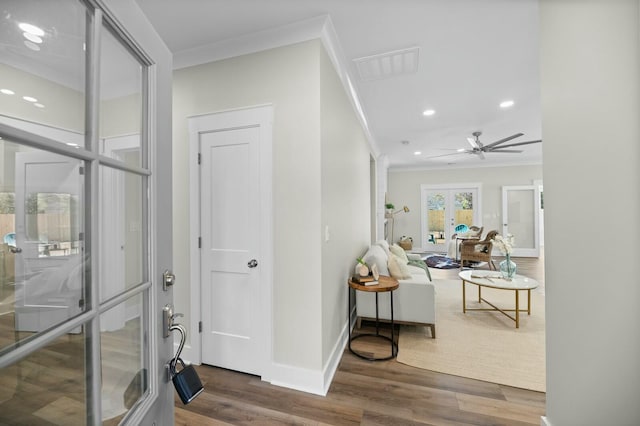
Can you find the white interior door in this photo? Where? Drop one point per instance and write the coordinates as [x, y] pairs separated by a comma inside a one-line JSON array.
[[230, 257], [520, 218], [48, 263]]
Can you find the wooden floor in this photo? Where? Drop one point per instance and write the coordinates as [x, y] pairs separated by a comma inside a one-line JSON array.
[[368, 393]]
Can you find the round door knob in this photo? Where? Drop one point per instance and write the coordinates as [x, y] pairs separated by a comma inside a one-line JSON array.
[[252, 263]]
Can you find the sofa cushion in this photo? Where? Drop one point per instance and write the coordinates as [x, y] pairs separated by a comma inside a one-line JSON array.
[[399, 251], [398, 269], [376, 255]]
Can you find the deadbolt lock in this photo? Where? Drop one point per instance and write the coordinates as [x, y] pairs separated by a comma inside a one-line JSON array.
[[168, 279]]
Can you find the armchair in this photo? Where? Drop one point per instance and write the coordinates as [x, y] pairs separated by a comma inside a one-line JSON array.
[[473, 233], [478, 251]]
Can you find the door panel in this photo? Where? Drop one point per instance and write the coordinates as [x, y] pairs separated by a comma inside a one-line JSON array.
[[520, 213], [444, 209], [229, 226]]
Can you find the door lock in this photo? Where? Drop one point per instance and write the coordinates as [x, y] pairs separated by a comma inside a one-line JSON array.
[[252, 263], [168, 279]]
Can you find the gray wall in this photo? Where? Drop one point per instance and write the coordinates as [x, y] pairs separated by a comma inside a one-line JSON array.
[[590, 108]]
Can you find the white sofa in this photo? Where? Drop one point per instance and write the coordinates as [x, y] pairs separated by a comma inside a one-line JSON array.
[[413, 301]]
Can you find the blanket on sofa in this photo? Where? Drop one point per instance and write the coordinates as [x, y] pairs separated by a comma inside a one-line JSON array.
[[421, 264]]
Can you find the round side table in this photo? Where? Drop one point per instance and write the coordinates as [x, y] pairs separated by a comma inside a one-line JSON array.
[[385, 284]]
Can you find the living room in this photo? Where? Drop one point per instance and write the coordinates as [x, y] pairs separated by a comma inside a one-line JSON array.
[[562, 192]]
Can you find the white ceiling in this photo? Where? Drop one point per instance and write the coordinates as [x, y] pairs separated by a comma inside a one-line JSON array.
[[473, 54]]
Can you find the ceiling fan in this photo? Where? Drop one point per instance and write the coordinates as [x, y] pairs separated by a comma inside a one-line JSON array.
[[479, 149]]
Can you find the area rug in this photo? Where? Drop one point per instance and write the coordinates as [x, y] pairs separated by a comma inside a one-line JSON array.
[[441, 262], [480, 345]]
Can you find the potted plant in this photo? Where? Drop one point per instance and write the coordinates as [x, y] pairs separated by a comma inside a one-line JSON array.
[[390, 208]]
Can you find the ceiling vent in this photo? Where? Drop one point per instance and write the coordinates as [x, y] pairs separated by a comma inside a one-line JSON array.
[[389, 64]]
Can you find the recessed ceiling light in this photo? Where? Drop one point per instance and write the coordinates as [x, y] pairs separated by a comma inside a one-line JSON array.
[[31, 45], [29, 99], [428, 112], [506, 104], [7, 92], [31, 29], [32, 37], [417, 153], [39, 105]]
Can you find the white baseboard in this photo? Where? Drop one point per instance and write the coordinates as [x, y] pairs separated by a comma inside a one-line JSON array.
[[544, 421], [312, 381], [186, 353]]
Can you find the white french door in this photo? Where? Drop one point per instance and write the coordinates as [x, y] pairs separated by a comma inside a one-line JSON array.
[[520, 218], [84, 236], [443, 208]]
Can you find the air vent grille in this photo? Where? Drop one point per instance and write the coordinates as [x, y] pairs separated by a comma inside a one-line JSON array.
[[389, 64]]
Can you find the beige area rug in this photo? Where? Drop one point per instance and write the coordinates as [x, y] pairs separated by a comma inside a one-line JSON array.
[[480, 345]]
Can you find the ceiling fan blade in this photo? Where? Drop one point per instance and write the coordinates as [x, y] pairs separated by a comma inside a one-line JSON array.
[[519, 143], [447, 155], [507, 139], [473, 143], [480, 154], [509, 151]]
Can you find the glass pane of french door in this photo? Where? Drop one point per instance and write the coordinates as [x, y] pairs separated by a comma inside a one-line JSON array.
[[43, 66], [436, 217], [42, 265], [444, 209], [47, 387]]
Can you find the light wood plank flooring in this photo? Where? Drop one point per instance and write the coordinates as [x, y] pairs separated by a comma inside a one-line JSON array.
[[368, 393]]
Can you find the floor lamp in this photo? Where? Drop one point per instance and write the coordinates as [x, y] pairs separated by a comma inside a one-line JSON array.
[[405, 209]]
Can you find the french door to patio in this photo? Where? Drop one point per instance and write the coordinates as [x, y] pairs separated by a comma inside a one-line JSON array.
[[443, 208]]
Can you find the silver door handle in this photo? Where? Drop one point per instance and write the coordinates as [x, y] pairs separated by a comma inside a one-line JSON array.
[[15, 250], [252, 263]]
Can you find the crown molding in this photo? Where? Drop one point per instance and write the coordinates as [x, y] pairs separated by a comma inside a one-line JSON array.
[[319, 27], [259, 41]]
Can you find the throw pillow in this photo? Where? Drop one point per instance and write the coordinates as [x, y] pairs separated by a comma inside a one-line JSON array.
[[399, 251], [397, 269], [376, 255], [385, 246]]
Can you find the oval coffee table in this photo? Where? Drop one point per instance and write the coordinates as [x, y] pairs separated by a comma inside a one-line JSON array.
[[493, 279]]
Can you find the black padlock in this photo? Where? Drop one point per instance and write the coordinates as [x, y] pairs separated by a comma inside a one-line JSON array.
[[186, 382]]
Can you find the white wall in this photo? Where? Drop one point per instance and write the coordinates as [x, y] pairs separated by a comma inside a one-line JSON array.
[[321, 178], [590, 108], [288, 78], [345, 202], [404, 189]]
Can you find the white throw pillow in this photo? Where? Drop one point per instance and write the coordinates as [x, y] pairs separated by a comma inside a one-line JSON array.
[[398, 270], [399, 251], [385, 246], [376, 255]]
